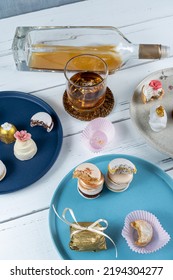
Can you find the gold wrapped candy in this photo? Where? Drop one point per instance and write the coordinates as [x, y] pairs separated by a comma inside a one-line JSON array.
[[7, 131], [86, 236], [86, 240]]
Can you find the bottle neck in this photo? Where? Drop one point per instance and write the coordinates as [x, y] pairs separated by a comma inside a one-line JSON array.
[[152, 51]]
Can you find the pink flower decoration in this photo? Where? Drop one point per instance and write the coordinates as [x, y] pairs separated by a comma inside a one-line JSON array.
[[22, 135], [155, 84]]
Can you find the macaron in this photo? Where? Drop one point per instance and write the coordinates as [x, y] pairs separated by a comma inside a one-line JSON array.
[[120, 174], [90, 180], [3, 170]]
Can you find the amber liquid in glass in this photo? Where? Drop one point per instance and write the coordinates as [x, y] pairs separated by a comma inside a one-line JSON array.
[[55, 57], [86, 91]]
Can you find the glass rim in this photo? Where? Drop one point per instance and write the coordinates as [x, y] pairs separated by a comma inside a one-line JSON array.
[[65, 69]]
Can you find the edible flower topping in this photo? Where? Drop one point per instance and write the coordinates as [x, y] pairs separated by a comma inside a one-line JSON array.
[[155, 84], [22, 135]]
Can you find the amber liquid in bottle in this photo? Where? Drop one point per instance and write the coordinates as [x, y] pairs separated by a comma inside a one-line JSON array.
[[49, 48], [56, 57], [86, 90]]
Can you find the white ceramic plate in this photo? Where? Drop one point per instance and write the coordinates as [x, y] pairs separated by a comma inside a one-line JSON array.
[[139, 112]]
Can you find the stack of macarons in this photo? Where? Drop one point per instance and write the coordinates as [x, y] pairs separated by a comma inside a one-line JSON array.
[[120, 174], [90, 180]]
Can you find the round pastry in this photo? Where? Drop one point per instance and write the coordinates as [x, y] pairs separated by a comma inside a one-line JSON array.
[[120, 174], [157, 118], [7, 131], [90, 180], [25, 147], [144, 232], [42, 119], [152, 91], [3, 170]]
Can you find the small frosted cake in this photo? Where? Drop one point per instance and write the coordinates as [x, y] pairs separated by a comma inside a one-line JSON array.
[[90, 180], [24, 148], [7, 131], [152, 91], [3, 170], [42, 119], [157, 118], [144, 232], [120, 174]]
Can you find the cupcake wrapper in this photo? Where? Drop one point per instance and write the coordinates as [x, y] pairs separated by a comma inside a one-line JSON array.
[[160, 236], [98, 134]]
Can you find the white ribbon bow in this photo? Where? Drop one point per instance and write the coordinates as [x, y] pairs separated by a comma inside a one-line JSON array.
[[92, 227]]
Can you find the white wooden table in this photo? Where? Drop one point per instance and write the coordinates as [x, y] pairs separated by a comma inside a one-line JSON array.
[[24, 229]]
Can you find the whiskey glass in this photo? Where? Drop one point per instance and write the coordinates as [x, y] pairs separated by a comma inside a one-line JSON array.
[[86, 82]]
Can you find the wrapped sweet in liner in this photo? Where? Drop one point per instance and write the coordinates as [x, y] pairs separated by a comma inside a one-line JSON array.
[[160, 236], [86, 236]]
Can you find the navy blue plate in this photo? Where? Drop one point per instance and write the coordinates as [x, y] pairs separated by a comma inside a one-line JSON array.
[[18, 108], [151, 190]]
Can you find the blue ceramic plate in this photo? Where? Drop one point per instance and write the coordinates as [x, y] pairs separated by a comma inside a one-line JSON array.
[[150, 190], [18, 108]]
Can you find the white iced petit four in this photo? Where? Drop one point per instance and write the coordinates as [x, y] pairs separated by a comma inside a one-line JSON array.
[[3, 170], [7, 131], [157, 118], [151, 91], [42, 119], [120, 174], [90, 180], [24, 148]]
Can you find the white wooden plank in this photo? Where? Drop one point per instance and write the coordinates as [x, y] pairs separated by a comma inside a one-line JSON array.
[[120, 13], [27, 238]]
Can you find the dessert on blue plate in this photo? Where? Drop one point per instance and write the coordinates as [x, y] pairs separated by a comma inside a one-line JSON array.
[[144, 233], [42, 119], [120, 174], [7, 131], [3, 170], [90, 180], [24, 148]]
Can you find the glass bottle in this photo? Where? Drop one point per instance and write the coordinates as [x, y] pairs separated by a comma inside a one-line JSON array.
[[40, 48]]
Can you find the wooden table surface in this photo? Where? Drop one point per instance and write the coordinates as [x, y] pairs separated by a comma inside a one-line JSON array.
[[24, 228]]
